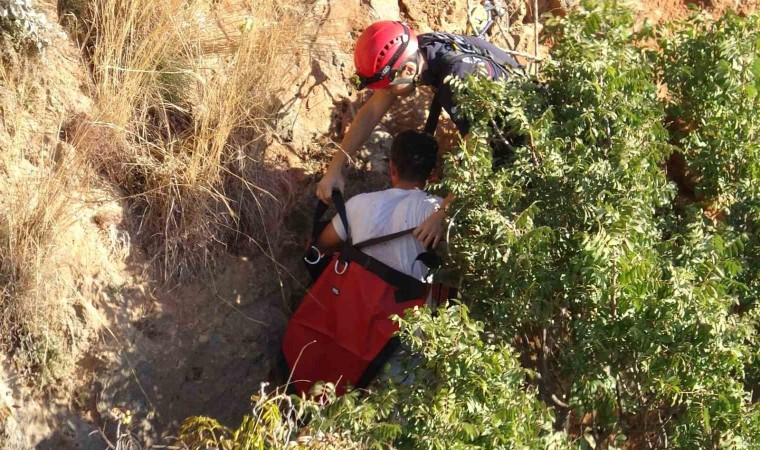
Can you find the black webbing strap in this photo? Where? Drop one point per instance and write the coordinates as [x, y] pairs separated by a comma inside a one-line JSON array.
[[320, 211], [433, 115], [381, 239], [429, 258], [340, 205], [408, 287], [459, 48]]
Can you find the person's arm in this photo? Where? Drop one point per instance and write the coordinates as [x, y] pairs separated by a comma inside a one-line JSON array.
[[329, 241], [364, 123], [334, 234], [430, 231]]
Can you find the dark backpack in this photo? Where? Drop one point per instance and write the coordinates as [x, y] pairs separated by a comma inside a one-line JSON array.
[[459, 48]]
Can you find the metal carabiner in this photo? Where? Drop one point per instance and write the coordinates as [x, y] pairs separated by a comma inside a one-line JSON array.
[[318, 253], [345, 267]]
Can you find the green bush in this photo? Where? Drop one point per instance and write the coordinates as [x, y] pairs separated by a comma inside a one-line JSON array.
[[577, 245], [712, 70], [465, 391]]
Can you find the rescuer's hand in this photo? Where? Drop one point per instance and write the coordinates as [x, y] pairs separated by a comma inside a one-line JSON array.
[[430, 231]]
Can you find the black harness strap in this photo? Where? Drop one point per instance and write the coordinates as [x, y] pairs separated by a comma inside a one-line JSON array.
[[319, 211], [376, 365], [408, 287], [459, 48], [381, 239], [340, 205], [458, 45], [433, 115], [428, 258]]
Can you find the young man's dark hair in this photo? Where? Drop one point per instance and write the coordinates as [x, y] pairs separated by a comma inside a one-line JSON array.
[[414, 154]]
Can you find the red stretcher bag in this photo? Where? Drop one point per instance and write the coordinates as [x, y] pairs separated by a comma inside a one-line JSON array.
[[342, 331]]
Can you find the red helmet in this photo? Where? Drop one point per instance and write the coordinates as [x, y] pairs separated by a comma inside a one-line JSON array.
[[380, 51]]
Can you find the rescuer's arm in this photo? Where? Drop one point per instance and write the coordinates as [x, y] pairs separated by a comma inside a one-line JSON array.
[[364, 123], [430, 231]]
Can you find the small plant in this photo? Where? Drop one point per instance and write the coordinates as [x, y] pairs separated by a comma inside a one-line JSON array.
[[124, 439], [274, 423], [26, 25]]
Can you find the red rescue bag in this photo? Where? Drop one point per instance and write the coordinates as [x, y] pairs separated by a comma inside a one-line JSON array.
[[342, 331]]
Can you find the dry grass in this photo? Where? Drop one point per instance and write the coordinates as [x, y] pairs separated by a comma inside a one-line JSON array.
[[183, 131], [38, 325], [37, 320]]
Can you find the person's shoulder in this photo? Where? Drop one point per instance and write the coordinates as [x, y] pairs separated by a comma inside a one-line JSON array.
[[433, 200], [425, 198], [427, 204], [367, 197], [360, 198]]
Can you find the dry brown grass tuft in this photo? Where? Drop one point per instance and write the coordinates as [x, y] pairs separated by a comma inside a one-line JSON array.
[[33, 203], [38, 324], [183, 131]]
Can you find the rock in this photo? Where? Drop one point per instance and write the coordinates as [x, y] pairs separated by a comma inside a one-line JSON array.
[[385, 9], [436, 16], [379, 140], [376, 152], [526, 44]]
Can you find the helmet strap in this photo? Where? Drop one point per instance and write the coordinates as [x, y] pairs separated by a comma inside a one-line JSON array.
[[415, 79]]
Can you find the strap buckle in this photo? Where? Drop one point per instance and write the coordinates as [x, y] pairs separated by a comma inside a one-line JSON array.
[[345, 267], [319, 254], [357, 81]]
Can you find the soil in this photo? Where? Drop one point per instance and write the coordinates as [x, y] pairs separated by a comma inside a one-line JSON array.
[[659, 11], [166, 352]]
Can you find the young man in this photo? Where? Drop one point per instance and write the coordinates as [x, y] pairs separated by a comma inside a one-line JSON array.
[[393, 61], [403, 206]]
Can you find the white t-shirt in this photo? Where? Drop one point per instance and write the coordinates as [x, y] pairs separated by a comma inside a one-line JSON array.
[[379, 213]]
